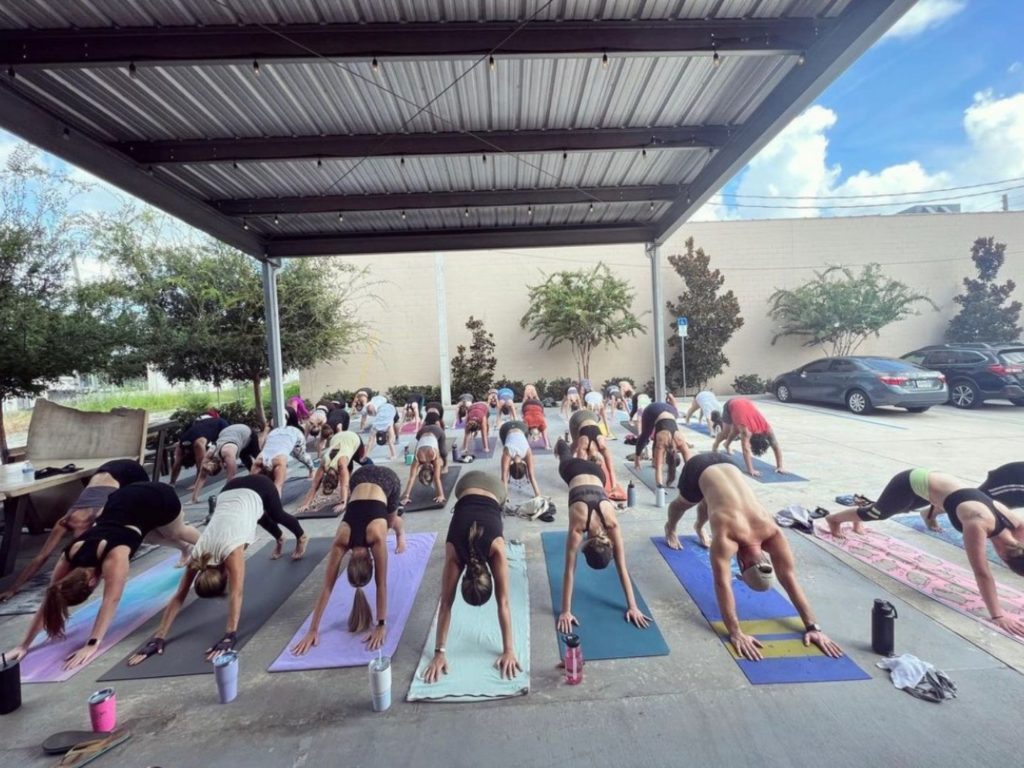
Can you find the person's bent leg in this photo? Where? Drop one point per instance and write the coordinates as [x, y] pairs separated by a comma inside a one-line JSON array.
[[177, 534], [676, 509], [229, 459], [179, 459], [899, 496], [702, 520], [279, 473], [269, 525]]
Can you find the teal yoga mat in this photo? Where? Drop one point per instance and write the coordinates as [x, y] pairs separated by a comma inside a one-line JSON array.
[[600, 607], [474, 644]]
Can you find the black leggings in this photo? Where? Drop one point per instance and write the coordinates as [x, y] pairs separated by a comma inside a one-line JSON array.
[[897, 498], [274, 517]]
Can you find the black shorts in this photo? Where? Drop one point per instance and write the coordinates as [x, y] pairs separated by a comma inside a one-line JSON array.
[[689, 478]]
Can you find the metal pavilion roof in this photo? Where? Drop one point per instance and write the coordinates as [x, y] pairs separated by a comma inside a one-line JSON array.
[[301, 127]]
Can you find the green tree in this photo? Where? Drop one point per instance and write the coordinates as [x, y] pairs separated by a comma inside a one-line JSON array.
[[47, 327], [984, 313], [200, 306], [584, 308], [473, 368], [712, 318], [838, 309]]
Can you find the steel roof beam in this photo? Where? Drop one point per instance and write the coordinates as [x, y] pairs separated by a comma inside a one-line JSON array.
[[469, 239], [427, 200], [62, 48], [423, 144]]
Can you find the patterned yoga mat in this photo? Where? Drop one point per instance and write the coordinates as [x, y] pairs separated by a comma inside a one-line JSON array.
[[944, 582]]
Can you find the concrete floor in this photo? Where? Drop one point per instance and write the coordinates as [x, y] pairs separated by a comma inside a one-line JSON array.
[[693, 706]]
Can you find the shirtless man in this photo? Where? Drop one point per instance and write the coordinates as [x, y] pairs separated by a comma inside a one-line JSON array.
[[740, 527]]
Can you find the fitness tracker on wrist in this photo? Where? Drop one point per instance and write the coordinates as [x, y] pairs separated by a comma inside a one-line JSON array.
[[811, 628], [93, 641], [381, 623], [439, 649]]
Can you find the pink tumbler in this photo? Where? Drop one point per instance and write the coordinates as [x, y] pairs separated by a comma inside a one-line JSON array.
[[573, 660], [103, 710]]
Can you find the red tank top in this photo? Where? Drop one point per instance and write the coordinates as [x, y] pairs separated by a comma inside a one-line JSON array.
[[744, 413]]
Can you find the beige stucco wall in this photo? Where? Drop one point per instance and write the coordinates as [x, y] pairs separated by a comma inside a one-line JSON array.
[[930, 252]]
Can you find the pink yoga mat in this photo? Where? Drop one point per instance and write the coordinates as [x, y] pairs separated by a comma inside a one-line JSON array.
[[942, 581], [339, 647], [144, 595]]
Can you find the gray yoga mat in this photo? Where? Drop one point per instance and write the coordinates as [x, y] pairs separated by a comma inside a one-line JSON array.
[[646, 476], [476, 446], [268, 583], [423, 495], [631, 428]]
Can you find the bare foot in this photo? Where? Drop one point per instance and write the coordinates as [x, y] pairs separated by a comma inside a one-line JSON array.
[[278, 549], [183, 560], [399, 543], [300, 547], [930, 522], [835, 527], [858, 527], [702, 538], [672, 538]]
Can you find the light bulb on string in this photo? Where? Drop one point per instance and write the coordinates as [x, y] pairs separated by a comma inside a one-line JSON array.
[[255, 67]]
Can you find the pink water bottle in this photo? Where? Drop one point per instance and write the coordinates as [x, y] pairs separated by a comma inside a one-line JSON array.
[[573, 660], [103, 710]]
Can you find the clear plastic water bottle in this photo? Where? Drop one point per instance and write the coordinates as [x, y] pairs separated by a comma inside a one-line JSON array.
[[27, 468], [573, 660]]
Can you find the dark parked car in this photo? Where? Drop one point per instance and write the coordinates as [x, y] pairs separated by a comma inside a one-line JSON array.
[[863, 383], [976, 372]]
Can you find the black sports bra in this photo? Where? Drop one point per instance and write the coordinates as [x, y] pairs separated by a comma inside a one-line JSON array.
[[89, 556], [956, 498]]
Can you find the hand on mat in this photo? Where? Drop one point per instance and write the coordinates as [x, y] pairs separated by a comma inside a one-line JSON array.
[[17, 653], [80, 657], [781, 471], [755, 473], [566, 621], [311, 640], [406, 501], [746, 646], [822, 640], [226, 643], [6, 595], [1006, 623], [155, 647], [635, 617], [508, 665], [438, 666], [339, 508], [375, 639]]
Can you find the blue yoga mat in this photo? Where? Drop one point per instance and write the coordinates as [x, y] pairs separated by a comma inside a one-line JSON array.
[[767, 615], [949, 534], [600, 607], [696, 426], [768, 473]]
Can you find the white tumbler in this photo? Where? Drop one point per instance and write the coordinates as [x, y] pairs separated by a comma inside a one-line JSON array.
[[380, 683]]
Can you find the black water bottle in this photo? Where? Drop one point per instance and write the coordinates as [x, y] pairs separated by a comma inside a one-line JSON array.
[[883, 628]]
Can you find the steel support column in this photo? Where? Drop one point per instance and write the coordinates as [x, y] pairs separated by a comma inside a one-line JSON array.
[[273, 321], [657, 320], [442, 329]]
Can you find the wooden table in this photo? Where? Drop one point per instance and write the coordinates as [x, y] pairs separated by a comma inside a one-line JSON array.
[[160, 429], [15, 487]]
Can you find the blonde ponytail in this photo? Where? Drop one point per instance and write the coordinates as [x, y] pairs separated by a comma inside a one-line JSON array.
[[477, 584], [360, 571]]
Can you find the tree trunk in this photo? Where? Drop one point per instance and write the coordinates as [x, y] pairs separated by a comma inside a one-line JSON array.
[[258, 403], [5, 454]]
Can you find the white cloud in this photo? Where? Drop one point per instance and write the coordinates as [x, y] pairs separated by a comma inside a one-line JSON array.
[[926, 15], [796, 164], [1016, 67]]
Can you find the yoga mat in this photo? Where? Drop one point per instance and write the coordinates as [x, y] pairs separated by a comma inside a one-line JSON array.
[[646, 476], [476, 446], [769, 616], [942, 581], [605, 432], [322, 508], [339, 647], [600, 607], [768, 474], [268, 583], [631, 428], [423, 495], [144, 595], [949, 534], [696, 426], [409, 428], [474, 644], [295, 488]]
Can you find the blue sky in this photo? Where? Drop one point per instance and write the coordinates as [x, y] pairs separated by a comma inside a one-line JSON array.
[[938, 102]]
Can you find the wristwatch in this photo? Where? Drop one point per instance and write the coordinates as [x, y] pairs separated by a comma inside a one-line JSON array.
[[811, 628], [439, 649], [93, 641], [381, 623]]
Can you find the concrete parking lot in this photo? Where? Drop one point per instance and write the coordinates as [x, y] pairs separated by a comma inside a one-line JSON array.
[[692, 707]]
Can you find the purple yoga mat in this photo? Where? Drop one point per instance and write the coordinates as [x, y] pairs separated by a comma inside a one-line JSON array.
[[340, 648], [144, 595]]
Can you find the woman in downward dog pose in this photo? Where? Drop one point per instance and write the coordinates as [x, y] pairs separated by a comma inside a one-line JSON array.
[[343, 450], [659, 424], [476, 421], [533, 415], [601, 537], [413, 411], [506, 406], [235, 443], [430, 460], [217, 564], [710, 410], [516, 456], [475, 550], [588, 443], [594, 403], [972, 512], [372, 509], [279, 445], [102, 553], [572, 402]]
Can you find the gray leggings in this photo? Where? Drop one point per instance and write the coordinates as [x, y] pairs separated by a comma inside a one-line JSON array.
[[483, 481]]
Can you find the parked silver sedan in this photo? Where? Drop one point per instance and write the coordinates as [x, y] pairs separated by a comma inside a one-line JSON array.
[[863, 383]]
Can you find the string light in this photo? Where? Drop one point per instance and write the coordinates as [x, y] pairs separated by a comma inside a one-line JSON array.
[[801, 59], [604, 60], [375, 65], [255, 67], [652, 205], [245, 224], [403, 215], [276, 220], [643, 153], [565, 155], [401, 161], [66, 133], [716, 59], [466, 213], [10, 71], [234, 164], [132, 70], [341, 217], [484, 158], [591, 208], [529, 210], [492, 63], [319, 162]]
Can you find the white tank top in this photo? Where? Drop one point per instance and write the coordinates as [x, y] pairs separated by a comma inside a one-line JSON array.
[[233, 524], [594, 399], [516, 444], [427, 441]]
